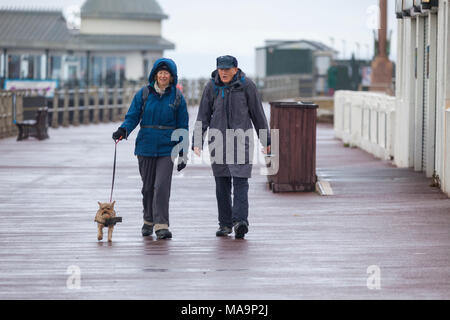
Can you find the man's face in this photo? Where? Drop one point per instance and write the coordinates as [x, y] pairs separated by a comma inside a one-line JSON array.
[[226, 75]]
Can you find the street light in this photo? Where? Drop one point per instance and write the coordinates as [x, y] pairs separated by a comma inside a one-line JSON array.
[[358, 47], [343, 51], [332, 42], [368, 51]]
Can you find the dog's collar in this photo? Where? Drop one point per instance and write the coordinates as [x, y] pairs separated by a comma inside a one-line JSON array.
[[109, 222]]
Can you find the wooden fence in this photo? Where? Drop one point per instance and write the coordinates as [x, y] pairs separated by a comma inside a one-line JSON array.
[[193, 90], [67, 107], [92, 105], [95, 105], [7, 126]]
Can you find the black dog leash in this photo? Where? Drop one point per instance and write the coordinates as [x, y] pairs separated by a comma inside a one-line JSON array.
[[112, 221], [114, 169]]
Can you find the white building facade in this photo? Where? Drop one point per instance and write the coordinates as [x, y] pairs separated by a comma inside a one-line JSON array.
[[118, 40], [412, 128]]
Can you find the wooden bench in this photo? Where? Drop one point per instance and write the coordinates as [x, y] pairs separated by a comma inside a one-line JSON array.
[[34, 128]]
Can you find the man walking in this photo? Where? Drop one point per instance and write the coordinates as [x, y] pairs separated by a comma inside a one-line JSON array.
[[229, 105]]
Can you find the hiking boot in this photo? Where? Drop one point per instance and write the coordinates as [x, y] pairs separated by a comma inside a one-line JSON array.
[[163, 234], [147, 230], [240, 229], [223, 232]]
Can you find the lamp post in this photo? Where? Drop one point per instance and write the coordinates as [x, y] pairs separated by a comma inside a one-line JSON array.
[[358, 49], [343, 49]]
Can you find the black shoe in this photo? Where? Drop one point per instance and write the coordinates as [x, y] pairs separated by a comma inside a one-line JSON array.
[[240, 229], [147, 230], [223, 232], [163, 234]]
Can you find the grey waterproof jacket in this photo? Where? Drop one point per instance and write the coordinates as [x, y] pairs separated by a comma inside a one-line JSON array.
[[229, 108]]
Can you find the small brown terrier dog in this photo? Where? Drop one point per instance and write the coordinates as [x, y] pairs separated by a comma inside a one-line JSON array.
[[106, 211]]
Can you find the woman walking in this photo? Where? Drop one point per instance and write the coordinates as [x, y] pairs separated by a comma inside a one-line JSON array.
[[160, 109]]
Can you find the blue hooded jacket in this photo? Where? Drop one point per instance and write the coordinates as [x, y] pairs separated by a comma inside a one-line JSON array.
[[158, 111]]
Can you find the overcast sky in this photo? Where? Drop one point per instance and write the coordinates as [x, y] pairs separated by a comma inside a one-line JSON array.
[[205, 29]]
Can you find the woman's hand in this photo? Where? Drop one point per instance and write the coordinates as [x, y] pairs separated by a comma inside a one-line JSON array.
[[119, 134]]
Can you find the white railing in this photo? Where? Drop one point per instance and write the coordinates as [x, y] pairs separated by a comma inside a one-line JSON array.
[[446, 180], [366, 120]]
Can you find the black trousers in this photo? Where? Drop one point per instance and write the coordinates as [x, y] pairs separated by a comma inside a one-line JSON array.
[[231, 210], [156, 174]]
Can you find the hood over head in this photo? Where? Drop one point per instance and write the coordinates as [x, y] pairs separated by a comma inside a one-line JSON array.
[[170, 64]]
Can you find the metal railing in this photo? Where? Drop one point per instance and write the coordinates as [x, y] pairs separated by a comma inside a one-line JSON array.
[[286, 87], [271, 88], [366, 120]]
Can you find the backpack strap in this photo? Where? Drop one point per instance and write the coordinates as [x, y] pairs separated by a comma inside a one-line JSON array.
[[145, 93], [177, 101], [175, 105], [215, 94]]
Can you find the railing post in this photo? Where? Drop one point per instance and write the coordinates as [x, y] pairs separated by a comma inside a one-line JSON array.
[[106, 109], [115, 110], [17, 99], [19, 107], [185, 84], [123, 101], [7, 116], [55, 114], [6, 108], [3, 108], [76, 106], [132, 94], [96, 106], [65, 122], [193, 93], [87, 109]]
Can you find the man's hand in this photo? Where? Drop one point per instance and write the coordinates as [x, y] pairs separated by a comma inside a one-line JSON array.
[[197, 151], [182, 161], [181, 165], [267, 150]]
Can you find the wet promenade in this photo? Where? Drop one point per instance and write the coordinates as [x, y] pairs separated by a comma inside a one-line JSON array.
[[300, 246]]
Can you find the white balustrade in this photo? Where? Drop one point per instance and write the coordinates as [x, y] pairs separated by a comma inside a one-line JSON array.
[[366, 120]]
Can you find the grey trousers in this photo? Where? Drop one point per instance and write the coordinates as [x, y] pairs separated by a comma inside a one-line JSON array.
[[233, 210], [156, 174]]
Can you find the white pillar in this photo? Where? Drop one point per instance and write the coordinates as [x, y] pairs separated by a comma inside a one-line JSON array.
[[405, 119], [446, 121], [399, 69], [420, 47], [43, 66], [440, 100], [430, 151]]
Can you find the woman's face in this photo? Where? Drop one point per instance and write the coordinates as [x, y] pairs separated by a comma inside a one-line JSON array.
[[163, 78]]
